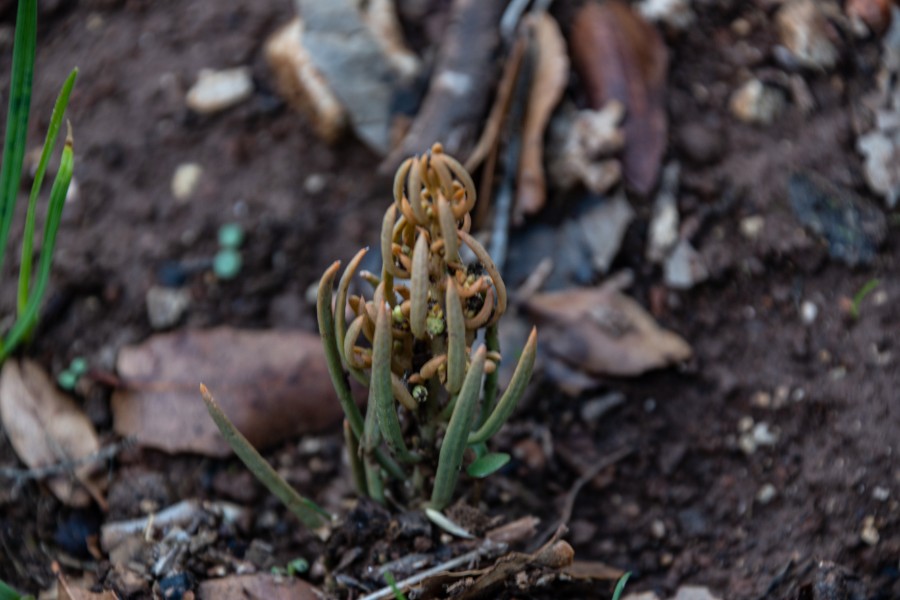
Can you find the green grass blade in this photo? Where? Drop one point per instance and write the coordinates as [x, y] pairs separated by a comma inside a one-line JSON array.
[[620, 586], [310, 513], [398, 593], [506, 405], [17, 116], [28, 318], [59, 109], [454, 444]]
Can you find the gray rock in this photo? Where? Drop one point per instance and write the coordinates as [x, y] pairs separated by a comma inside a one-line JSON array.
[[165, 306]]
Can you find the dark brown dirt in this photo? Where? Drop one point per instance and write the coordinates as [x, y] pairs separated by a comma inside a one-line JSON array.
[[689, 504]]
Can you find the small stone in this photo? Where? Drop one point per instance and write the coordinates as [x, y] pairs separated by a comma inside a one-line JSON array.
[[165, 306], [663, 232], [185, 180], [760, 399], [315, 183], [869, 533], [218, 90], [747, 444], [766, 494], [701, 144], [763, 436], [677, 14], [694, 592], [745, 424], [658, 529], [808, 312], [741, 27], [641, 596], [685, 267], [881, 493], [755, 102], [804, 29], [592, 410], [751, 227]]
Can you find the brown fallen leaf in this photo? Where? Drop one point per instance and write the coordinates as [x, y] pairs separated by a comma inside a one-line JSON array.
[[258, 586], [551, 72], [604, 332], [271, 384], [620, 56], [46, 427]]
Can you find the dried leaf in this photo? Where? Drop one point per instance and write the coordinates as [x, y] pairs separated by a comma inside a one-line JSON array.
[[622, 57], [272, 384], [258, 585], [72, 590], [551, 73], [593, 571], [604, 332], [46, 427]]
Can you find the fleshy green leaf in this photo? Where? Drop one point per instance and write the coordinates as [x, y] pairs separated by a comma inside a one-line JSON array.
[[310, 513], [488, 464], [456, 339]]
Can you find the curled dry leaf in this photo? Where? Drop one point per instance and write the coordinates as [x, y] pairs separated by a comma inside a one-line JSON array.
[[604, 332], [271, 384], [551, 72], [620, 56], [46, 427]]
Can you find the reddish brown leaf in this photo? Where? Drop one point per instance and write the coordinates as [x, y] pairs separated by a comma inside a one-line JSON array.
[[46, 428], [271, 384], [620, 56]]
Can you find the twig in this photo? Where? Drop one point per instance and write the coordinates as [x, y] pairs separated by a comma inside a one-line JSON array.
[[21, 476], [503, 214], [487, 548], [572, 495]]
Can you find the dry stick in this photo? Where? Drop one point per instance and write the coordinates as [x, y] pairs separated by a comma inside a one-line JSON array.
[[502, 216], [487, 548], [461, 87], [21, 476], [572, 495]]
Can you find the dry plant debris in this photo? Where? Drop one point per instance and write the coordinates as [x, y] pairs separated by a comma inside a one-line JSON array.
[[621, 57], [604, 332], [274, 385], [46, 427]]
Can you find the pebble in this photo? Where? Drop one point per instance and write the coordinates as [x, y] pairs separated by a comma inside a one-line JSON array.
[[804, 30], [658, 529], [881, 493], [808, 312], [684, 268], [165, 306], [766, 494], [869, 533], [185, 180], [763, 436], [314, 183], [674, 13], [641, 596], [751, 227], [592, 410], [215, 91], [755, 102], [694, 592], [663, 232]]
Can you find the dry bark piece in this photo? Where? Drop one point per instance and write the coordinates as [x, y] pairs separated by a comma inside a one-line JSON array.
[[302, 86], [271, 384], [460, 88], [551, 72], [258, 585], [620, 56], [604, 332], [46, 427]]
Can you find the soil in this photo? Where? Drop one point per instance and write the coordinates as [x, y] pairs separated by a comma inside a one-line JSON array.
[[693, 502]]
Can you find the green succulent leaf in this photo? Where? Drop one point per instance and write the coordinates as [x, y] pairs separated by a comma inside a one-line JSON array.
[[455, 439], [456, 339], [488, 464], [310, 513], [507, 403]]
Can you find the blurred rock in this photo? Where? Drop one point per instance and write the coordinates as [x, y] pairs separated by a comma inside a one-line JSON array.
[[852, 228], [676, 14], [805, 31], [185, 180], [165, 306], [215, 91], [685, 267], [703, 144], [303, 86], [755, 102]]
